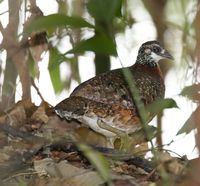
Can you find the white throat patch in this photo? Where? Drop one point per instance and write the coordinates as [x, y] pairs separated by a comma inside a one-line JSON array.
[[156, 57]]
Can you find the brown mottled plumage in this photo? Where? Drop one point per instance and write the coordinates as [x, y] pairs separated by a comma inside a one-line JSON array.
[[89, 112], [107, 96]]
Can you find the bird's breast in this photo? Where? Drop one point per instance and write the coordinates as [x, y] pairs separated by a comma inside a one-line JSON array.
[[151, 87]]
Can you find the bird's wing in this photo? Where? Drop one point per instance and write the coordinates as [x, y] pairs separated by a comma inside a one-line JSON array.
[[89, 112], [109, 87]]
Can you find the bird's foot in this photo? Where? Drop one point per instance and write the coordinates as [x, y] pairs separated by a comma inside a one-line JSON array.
[[124, 142], [124, 137]]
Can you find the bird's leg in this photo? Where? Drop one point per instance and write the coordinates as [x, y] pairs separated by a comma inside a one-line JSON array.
[[124, 137], [110, 142], [105, 126]]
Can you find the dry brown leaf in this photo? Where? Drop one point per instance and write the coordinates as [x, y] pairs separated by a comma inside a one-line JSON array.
[[172, 164], [89, 178], [40, 166], [16, 117], [36, 52], [28, 106], [192, 178], [69, 174], [5, 153], [40, 115]]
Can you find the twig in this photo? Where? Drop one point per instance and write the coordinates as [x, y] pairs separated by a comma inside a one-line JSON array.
[[20, 174], [1, 28], [139, 105], [37, 90], [3, 33], [4, 12], [159, 140]]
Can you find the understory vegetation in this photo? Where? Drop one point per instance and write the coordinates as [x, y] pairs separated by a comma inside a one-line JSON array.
[[39, 148]]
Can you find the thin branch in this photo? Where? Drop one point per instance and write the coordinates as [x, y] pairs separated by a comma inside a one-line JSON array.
[[2, 32], [20, 174], [37, 90], [4, 12], [138, 103], [1, 28]]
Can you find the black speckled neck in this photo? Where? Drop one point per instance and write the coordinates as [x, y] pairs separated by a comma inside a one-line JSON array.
[[146, 60]]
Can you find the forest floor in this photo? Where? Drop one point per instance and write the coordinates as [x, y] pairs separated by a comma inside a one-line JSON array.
[[38, 148]]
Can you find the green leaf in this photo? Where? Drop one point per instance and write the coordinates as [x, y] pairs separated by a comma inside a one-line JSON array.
[[104, 10], [54, 70], [98, 44], [54, 21], [160, 105], [191, 122], [97, 160], [188, 126], [192, 92]]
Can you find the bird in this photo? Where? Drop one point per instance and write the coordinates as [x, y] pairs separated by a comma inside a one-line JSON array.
[[105, 103]]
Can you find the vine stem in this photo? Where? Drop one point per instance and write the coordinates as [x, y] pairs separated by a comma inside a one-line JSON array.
[[139, 105]]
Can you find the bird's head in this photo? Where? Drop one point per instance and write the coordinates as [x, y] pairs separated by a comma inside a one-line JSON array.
[[151, 52]]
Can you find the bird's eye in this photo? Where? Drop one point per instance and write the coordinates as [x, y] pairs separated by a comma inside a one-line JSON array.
[[156, 49]]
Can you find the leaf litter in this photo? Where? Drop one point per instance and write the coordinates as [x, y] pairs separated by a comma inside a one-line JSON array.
[[38, 148]]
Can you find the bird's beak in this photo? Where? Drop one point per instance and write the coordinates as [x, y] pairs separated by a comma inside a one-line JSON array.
[[167, 55]]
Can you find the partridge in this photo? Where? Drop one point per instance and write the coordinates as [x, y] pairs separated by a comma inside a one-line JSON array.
[[105, 103]]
